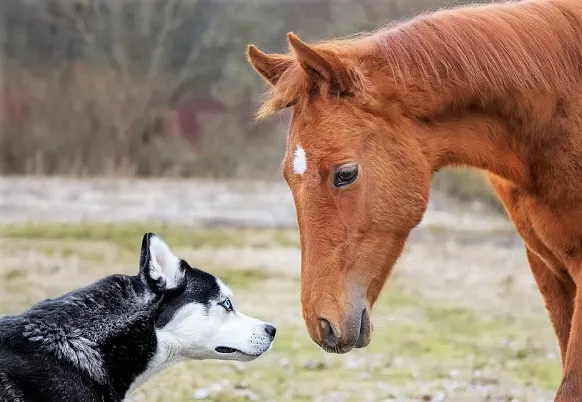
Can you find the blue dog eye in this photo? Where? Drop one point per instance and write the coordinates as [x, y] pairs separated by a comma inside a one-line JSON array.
[[227, 305]]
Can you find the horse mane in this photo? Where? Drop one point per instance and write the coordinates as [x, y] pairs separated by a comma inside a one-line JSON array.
[[493, 48]]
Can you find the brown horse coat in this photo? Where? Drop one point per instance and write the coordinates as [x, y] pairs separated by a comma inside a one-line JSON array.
[[495, 87]]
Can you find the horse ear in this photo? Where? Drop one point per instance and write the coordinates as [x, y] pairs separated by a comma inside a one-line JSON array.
[[324, 66], [269, 66]]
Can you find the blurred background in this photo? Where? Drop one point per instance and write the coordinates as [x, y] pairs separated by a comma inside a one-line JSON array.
[[119, 117]]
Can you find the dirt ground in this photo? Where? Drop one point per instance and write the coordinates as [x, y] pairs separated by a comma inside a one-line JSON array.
[[460, 320]]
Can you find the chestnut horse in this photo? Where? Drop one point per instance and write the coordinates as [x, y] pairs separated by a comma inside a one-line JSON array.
[[496, 87]]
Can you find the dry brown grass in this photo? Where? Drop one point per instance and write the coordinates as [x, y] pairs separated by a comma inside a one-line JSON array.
[[460, 320]]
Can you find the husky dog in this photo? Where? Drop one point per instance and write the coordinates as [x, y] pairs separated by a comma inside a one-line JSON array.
[[101, 342]]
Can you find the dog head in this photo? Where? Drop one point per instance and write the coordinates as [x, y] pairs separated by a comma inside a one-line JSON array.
[[196, 317]]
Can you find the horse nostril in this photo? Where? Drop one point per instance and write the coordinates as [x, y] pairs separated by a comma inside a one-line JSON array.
[[271, 330], [328, 333]]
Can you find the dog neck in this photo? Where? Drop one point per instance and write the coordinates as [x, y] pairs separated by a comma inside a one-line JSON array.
[[116, 345], [164, 356]]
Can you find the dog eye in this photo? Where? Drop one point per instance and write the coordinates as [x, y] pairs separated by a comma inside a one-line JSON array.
[[227, 304], [345, 174]]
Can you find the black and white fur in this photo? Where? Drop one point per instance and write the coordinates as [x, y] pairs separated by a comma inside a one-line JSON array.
[[101, 342]]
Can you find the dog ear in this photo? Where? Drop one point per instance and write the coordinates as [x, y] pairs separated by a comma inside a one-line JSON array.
[[159, 267]]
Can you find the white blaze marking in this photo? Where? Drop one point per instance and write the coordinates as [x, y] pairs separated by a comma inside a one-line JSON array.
[[300, 161]]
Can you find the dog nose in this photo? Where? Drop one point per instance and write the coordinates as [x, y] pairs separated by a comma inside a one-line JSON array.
[[271, 330], [328, 333]]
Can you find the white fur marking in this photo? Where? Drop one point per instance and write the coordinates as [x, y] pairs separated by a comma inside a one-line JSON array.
[[224, 290], [300, 161], [195, 331], [164, 264], [163, 358]]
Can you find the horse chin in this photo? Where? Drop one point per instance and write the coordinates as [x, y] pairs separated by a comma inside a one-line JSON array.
[[339, 350]]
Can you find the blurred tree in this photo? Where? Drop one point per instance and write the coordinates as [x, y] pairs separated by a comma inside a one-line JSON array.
[[105, 79]]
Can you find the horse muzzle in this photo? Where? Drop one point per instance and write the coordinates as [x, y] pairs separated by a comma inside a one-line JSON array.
[[356, 333]]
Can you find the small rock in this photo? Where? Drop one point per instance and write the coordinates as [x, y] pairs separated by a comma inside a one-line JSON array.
[[217, 387], [285, 362], [241, 385], [315, 365], [552, 355], [440, 397], [383, 386], [398, 362], [451, 386], [201, 394], [247, 394], [354, 364]]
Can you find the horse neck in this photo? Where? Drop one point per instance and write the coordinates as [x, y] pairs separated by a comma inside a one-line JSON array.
[[476, 140], [488, 97], [458, 126]]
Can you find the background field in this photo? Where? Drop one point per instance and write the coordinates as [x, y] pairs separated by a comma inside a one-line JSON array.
[[124, 116], [460, 320], [162, 87]]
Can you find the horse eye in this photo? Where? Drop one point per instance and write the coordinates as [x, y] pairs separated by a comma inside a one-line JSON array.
[[345, 175], [227, 305]]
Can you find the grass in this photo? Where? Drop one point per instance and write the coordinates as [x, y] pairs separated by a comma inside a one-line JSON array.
[[421, 346], [467, 185], [243, 279], [127, 236]]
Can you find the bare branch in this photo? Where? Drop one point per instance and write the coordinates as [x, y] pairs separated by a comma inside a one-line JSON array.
[[169, 24]]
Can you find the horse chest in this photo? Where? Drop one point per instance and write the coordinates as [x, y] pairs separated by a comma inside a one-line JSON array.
[[553, 233]]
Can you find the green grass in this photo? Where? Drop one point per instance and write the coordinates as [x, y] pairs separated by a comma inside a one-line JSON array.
[[127, 236], [242, 278], [416, 340]]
